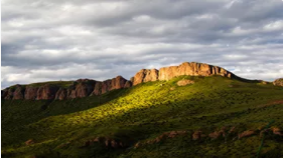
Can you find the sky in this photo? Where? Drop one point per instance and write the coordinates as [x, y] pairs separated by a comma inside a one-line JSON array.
[[44, 40]]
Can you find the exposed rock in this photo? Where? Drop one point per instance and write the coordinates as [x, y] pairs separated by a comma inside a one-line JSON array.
[[192, 69], [106, 86], [107, 142], [185, 82], [118, 83], [132, 79], [246, 134], [232, 129], [19, 92], [29, 142], [171, 134], [31, 92], [197, 135], [61, 94], [145, 75], [84, 87], [10, 93], [128, 84], [217, 134], [47, 92], [97, 88], [4, 93], [277, 131], [278, 82]]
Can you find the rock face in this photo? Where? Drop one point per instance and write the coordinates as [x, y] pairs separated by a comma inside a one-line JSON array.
[[145, 75], [19, 92], [61, 94], [86, 87], [9, 93], [31, 93], [278, 82], [116, 83], [192, 69], [46, 92], [80, 88]]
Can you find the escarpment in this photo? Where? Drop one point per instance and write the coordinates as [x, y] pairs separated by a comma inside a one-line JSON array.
[[278, 82], [87, 87], [190, 69]]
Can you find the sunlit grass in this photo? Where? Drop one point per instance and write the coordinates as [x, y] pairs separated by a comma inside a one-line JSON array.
[[142, 112]]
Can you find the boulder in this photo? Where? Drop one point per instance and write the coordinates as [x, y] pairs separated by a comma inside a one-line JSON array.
[[29, 142], [246, 134], [185, 82], [197, 135]]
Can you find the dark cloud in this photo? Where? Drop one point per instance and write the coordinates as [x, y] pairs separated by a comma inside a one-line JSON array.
[[67, 40]]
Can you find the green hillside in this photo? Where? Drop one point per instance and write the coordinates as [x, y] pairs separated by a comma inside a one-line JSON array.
[[133, 121]]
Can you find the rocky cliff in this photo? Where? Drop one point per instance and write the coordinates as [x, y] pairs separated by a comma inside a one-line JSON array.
[[87, 87], [278, 82], [191, 69]]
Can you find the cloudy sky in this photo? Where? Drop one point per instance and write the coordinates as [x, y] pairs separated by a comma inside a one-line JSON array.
[[69, 39]]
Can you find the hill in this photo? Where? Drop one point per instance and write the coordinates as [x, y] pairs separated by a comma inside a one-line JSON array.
[[181, 116]]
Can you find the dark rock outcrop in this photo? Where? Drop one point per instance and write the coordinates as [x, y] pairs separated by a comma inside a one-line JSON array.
[[128, 84], [116, 83], [47, 92], [107, 142], [19, 92], [9, 93], [61, 94], [31, 92]]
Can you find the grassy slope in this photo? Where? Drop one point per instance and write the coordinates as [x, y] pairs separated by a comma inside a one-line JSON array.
[[144, 112]]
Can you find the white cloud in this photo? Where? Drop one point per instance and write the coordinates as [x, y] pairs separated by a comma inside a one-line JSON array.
[[52, 40]]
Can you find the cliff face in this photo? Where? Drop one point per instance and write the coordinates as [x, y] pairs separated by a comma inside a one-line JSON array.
[[278, 82], [191, 69], [86, 87], [145, 75]]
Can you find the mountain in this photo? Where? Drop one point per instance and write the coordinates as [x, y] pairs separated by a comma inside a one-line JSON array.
[[190, 110], [61, 90]]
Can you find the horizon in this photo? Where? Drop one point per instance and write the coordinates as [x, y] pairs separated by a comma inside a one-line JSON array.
[[128, 78], [68, 40]]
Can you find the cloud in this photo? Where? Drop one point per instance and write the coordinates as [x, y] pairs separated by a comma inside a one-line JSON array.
[[53, 40]]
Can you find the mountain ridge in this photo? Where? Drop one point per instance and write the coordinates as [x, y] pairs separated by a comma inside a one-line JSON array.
[[87, 87]]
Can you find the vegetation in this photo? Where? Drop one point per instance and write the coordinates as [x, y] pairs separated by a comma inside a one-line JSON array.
[[144, 112]]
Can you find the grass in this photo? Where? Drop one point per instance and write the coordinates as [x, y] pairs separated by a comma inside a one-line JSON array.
[[142, 113]]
